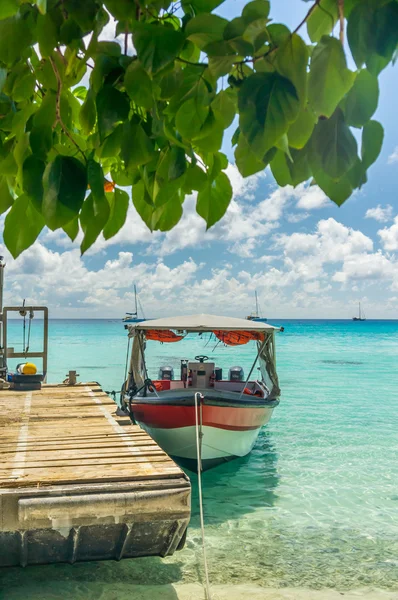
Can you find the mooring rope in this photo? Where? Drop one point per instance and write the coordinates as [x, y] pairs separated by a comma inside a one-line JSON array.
[[199, 436]]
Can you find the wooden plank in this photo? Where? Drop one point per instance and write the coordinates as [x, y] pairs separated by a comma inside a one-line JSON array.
[[64, 434]]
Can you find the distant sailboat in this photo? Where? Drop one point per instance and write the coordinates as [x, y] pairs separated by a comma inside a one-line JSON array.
[[361, 314], [132, 317], [255, 316]]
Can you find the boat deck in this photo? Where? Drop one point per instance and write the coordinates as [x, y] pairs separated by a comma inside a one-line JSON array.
[[79, 483]]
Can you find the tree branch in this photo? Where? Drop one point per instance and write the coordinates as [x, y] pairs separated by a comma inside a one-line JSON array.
[[341, 16], [58, 107], [126, 39], [313, 7]]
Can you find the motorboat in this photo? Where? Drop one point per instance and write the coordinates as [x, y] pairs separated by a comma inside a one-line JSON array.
[[225, 409]]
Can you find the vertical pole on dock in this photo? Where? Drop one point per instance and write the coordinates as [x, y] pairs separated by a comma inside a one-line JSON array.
[[2, 350]]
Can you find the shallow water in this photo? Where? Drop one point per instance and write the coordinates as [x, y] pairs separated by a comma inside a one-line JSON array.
[[315, 504]]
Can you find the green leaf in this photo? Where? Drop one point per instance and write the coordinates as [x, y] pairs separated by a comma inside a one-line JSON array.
[[177, 163], [385, 29], [65, 185], [41, 140], [196, 178], [119, 204], [291, 62], [47, 34], [246, 161], [362, 99], [93, 217], [322, 19], [137, 149], [291, 171], [334, 146], [95, 178], [360, 32], [138, 85], [32, 173], [213, 200], [8, 8], [268, 103], [8, 165], [15, 36], [191, 117], [112, 144], [257, 9], [72, 228], [329, 78], [224, 106], [121, 9], [168, 215], [112, 108], [6, 199], [24, 88], [46, 113], [204, 29], [156, 45], [142, 203], [300, 131], [22, 226], [88, 113], [372, 141], [200, 6], [337, 190], [3, 77], [221, 65], [42, 6]]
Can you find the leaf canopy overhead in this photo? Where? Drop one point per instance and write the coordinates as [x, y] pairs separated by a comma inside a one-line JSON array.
[[82, 118]]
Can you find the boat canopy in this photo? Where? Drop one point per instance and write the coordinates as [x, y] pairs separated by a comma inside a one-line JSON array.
[[202, 322], [230, 331]]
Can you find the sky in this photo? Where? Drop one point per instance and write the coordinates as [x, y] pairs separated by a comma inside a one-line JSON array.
[[306, 257]]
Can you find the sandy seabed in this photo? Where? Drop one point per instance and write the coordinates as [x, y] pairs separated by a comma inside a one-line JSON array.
[[252, 592]]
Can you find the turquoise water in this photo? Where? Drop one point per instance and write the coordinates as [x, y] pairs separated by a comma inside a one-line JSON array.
[[314, 505]]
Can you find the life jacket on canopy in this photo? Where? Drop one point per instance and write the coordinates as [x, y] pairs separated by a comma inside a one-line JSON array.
[[237, 338], [159, 335]]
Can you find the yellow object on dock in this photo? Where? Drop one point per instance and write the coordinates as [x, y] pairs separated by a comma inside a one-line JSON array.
[[78, 483], [27, 369]]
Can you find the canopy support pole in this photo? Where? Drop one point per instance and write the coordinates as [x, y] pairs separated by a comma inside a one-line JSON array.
[[145, 369], [253, 365]]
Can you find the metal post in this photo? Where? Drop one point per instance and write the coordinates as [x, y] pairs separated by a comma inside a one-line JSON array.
[[2, 350], [253, 365]]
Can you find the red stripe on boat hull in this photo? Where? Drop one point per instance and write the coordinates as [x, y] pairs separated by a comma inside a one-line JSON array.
[[222, 417]]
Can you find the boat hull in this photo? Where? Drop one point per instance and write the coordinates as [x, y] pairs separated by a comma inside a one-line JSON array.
[[228, 431]]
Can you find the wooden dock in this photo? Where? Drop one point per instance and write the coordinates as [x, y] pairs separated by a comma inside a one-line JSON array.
[[78, 483]]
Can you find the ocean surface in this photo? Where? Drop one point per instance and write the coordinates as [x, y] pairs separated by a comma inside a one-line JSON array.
[[315, 505]]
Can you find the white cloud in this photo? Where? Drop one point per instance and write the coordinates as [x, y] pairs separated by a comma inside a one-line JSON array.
[[389, 236], [393, 158], [297, 217], [369, 267], [310, 197], [380, 214], [331, 242], [244, 249]]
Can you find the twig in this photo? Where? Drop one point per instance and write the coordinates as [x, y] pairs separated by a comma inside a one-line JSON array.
[[313, 7], [341, 16], [58, 107], [126, 39], [193, 64]]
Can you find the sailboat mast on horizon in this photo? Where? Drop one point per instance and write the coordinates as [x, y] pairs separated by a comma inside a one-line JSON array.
[[255, 316], [361, 314], [132, 317]]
